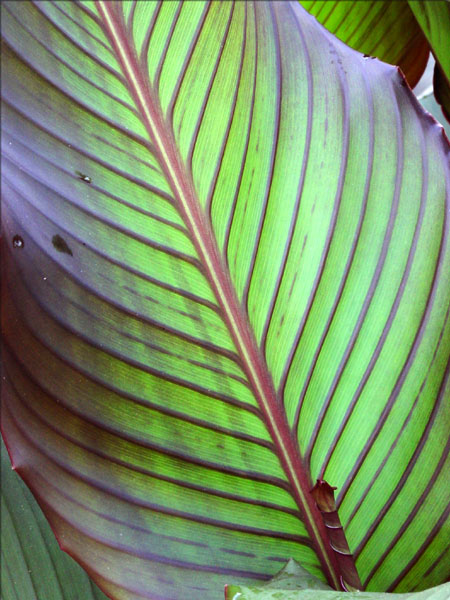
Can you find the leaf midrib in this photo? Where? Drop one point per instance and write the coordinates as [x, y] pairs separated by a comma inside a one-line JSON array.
[[253, 363]]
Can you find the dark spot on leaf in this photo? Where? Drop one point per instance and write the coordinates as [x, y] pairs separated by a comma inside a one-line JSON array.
[[18, 242], [61, 245], [83, 177]]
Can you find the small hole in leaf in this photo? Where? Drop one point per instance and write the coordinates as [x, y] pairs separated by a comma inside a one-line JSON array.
[[18, 242], [61, 245], [83, 177]]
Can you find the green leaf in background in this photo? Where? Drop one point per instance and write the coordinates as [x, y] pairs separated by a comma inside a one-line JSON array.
[[294, 583], [430, 104], [226, 275], [384, 29], [32, 565], [434, 19]]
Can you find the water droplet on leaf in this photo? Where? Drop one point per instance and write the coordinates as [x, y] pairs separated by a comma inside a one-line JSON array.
[[18, 242], [83, 177]]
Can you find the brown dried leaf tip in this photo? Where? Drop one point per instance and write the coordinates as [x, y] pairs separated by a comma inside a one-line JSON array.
[[323, 494]]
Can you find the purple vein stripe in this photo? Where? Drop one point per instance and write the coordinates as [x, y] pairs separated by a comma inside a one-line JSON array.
[[229, 470], [274, 147], [84, 48], [212, 186], [58, 59], [407, 472], [443, 519], [131, 550], [110, 386], [121, 493], [139, 274], [329, 238], [419, 334], [363, 313], [208, 93], [296, 208], [83, 105], [347, 268], [445, 556], [180, 179], [403, 427], [145, 444], [408, 521], [245, 151], [184, 67], [87, 32], [136, 439]]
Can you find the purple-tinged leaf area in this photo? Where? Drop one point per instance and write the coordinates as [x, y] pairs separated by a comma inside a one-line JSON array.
[[233, 279], [384, 29]]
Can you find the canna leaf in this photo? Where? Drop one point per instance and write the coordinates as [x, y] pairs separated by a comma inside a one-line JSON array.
[[232, 280], [386, 29]]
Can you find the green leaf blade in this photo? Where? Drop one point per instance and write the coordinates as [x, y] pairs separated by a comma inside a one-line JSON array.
[[221, 301]]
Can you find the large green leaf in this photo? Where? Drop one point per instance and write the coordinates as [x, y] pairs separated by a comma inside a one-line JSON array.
[[386, 29], [226, 275], [33, 567]]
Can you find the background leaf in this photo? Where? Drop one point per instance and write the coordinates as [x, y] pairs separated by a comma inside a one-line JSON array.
[[434, 19], [226, 274], [384, 29], [33, 567], [294, 583], [430, 104]]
